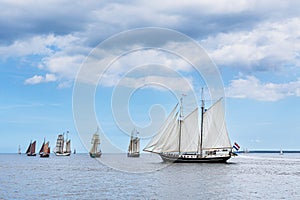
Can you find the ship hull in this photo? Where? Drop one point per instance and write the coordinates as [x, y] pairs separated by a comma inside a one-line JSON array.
[[193, 159], [62, 154], [44, 155], [32, 154], [95, 155], [133, 155]]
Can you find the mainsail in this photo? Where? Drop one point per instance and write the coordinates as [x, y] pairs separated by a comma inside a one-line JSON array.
[[134, 144], [45, 150], [215, 133], [31, 149], [63, 148], [158, 141], [95, 143], [68, 146], [95, 151], [183, 136], [59, 144]]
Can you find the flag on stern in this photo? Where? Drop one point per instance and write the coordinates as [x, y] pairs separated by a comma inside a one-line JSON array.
[[236, 146]]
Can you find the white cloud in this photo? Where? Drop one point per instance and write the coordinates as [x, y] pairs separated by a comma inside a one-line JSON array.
[[248, 35], [43, 45], [36, 79], [271, 45], [65, 65], [252, 88]]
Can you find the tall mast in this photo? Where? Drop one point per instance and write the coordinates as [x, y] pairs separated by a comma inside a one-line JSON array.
[[180, 123], [202, 114]]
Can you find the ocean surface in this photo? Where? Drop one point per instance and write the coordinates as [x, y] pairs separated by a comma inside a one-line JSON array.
[[248, 176]]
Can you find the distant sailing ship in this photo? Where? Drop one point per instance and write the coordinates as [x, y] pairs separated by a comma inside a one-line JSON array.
[[31, 149], [45, 150], [180, 140], [281, 152], [95, 151], [19, 150], [134, 145], [63, 148]]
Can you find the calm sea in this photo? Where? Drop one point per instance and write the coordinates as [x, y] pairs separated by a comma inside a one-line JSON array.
[[248, 176]]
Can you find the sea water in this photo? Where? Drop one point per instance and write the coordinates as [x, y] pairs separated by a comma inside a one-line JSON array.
[[248, 176]]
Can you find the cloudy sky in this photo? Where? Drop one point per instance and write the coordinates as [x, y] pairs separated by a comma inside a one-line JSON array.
[[255, 45]]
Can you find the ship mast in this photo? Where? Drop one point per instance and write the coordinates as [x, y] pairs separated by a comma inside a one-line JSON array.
[[202, 114], [180, 123]]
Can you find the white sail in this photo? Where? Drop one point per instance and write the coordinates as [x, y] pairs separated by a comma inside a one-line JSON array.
[[157, 139], [60, 144], [95, 142], [134, 145], [187, 138], [215, 133], [68, 146], [190, 133], [169, 140]]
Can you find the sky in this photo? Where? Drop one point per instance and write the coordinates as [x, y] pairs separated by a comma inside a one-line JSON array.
[[45, 45]]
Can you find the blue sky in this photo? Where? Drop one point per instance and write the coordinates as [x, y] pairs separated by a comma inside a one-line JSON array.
[[255, 44]]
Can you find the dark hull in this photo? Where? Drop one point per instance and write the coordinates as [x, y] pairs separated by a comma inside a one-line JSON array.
[[44, 155], [95, 155], [136, 155], [177, 159], [32, 154]]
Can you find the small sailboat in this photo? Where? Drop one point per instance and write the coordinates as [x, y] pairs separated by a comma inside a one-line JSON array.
[[181, 140], [19, 150], [45, 150], [281, 152], [134, 145], [31, 149], [63, 147], [95, 151]]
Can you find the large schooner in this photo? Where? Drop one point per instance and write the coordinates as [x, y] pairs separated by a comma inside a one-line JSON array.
[[45, 150], [134, 145], [31, 149], [95, 151], [63, 147], [181, 140]]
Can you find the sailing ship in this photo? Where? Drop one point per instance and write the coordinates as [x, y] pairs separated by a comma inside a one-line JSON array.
[[134, 145], [31, 149], [95, 151], [19, 150], [281, 152], [63, 147], [180, 140], [45, 150]]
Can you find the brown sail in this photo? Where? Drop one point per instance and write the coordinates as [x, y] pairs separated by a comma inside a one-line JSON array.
[[31, 149], [45, 150]]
